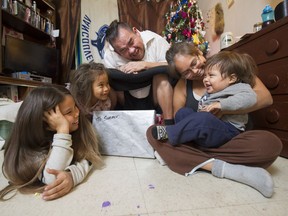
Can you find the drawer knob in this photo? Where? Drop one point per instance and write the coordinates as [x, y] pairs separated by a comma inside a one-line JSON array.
[[272, 81], [272, 116], [272, 46]]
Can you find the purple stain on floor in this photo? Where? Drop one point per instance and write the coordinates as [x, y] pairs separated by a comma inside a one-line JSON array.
[[106, 204], [151, 186]]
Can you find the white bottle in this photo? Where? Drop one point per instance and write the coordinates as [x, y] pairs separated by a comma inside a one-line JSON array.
[[34, 6], [15, 7]]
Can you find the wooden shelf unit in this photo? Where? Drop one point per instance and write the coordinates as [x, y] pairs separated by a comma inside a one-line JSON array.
[[30, 33], [20, 25]]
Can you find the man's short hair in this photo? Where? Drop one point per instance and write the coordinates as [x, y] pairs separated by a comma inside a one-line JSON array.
[[113, 30]]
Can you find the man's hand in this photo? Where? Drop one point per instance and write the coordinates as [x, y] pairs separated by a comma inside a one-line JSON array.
[[60, 187], [133, 67]]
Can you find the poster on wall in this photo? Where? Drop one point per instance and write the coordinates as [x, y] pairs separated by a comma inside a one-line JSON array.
[[93, 25]]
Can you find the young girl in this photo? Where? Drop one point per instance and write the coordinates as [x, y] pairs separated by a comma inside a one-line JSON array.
[[89, 85], [51, 144]]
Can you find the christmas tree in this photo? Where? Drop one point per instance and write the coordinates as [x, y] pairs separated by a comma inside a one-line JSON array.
[[185, 23]]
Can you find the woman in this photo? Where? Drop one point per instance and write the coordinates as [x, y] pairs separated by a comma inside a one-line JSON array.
[[228, 78], [242, 159]]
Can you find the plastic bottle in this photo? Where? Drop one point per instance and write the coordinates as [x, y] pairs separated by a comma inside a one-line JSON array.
[[15, 7], [267, 16], [34, 6]]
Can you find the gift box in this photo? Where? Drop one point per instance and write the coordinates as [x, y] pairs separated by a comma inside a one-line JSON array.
[[123, 133]]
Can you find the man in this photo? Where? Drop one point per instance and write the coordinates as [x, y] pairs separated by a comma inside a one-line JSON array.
[[132, 51]]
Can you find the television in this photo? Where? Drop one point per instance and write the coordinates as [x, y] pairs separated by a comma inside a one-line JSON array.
[[22, 55]]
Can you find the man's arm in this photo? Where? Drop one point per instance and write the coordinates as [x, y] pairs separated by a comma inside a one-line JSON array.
[[138, 66], [109, 60], [155, 53]]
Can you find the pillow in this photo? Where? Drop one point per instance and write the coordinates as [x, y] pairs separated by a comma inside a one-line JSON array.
[[120, 81], [9, 112]]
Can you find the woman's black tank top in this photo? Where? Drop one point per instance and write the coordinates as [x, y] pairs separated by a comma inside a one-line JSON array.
[[191, 102]]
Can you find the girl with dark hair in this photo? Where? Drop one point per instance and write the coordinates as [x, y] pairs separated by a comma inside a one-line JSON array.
[[39, 155], [89, 85]]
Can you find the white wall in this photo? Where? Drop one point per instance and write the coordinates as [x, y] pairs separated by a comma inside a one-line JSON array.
[[239, 18]]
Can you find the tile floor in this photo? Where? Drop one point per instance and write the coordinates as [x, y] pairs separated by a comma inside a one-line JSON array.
[[133, 186]]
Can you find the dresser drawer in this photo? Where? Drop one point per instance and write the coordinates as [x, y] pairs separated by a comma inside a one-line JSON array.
[[275, 76], [267, 47], [274, 116]]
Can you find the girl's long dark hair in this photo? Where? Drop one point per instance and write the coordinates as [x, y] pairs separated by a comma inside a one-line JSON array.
[[81, 84], [28, 146]]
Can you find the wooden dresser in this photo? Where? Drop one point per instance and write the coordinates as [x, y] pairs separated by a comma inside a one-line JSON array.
[[269, 48]]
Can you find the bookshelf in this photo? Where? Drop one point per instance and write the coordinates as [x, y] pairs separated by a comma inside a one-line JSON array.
[[30, 32]]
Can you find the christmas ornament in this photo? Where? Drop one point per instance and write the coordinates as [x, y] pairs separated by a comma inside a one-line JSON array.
[[185, 23]]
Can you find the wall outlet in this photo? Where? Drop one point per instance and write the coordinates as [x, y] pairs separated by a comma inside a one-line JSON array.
[[229, 3]]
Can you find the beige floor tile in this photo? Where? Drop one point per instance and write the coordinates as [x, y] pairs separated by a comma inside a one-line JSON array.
[[138, 186], [118, 163], [224, 211], [275, 208]]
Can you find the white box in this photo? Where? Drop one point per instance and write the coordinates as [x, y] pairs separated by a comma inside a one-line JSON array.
[[123, 133]]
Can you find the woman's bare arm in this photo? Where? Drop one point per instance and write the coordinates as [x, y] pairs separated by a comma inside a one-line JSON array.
[[179, 95], [264, 99]]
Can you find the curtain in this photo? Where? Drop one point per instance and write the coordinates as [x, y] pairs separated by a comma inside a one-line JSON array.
[[144, 14], [67, 19]]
